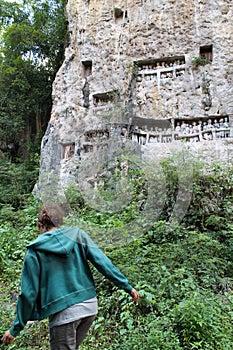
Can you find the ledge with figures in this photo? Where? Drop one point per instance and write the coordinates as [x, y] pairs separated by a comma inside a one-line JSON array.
[[186, 130]]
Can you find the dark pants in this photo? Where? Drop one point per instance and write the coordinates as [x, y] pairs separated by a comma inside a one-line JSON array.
[[69, 336]]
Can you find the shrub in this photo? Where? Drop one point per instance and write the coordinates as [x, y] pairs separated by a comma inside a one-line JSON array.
[[200, 61]]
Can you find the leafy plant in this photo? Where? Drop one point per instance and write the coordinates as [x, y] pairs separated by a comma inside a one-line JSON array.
[[200, 61], [183, 271], [33, 38]]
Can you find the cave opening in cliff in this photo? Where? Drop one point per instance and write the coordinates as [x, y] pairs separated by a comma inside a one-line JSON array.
[[104, 98], [87, 68], [119, 14], [207, 52], [67, 151]]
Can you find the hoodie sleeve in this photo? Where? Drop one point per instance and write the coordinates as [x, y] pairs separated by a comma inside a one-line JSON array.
[[29, 292], [104, 265]]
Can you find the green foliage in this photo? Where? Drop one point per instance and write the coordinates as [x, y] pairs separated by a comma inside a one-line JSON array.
[[183, 271], [17, 229], [10, 13], [212, 197], [117, 203], [33, 38], [185, 294], [17, 181], [200, 61], [75, 198], [204, 322], [121, 201]]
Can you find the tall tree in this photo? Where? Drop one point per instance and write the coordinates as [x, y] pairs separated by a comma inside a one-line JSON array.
[[33, 37]]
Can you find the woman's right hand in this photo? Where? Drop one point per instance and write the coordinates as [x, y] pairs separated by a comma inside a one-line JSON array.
[[135, 295]]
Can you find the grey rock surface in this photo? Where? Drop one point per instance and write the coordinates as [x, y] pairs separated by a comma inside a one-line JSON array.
[[148, 76]]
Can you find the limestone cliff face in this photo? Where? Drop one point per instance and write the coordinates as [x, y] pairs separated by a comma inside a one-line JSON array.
[[148, 71]]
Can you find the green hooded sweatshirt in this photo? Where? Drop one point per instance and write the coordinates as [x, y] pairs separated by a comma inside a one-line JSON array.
[[56, 274]]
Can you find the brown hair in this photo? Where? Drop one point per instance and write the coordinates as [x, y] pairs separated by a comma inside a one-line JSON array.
[[50, 216]]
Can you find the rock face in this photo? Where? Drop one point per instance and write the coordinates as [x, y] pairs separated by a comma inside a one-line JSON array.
[[143, 75]]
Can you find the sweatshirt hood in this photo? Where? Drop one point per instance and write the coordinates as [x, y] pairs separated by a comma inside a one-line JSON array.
[[60, 241]]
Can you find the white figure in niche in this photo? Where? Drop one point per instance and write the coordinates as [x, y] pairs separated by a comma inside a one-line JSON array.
[[68, 152], [226, 126], [142, 140], [206, 136], [195, 128], [210, 127], [189, 129], [221, 126], [178, 128], [135, 138], [199, 126], [216, 124], [183, 128], [209, 124], [204, 126], [140, 95]]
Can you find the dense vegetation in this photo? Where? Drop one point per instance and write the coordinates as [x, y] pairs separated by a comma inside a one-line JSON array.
[[181, 268], [33, 36], [183, 271]]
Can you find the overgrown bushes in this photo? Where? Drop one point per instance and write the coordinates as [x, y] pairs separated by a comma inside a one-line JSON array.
[[183, 271], [17, 181]]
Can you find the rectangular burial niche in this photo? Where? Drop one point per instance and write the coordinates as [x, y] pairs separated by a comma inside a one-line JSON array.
[[204, 128], [88, 148], [160, 63], [67, 150], [150, 124], [119, 14], [103, 98], [207, 52], [160, 68], [87, 68]]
